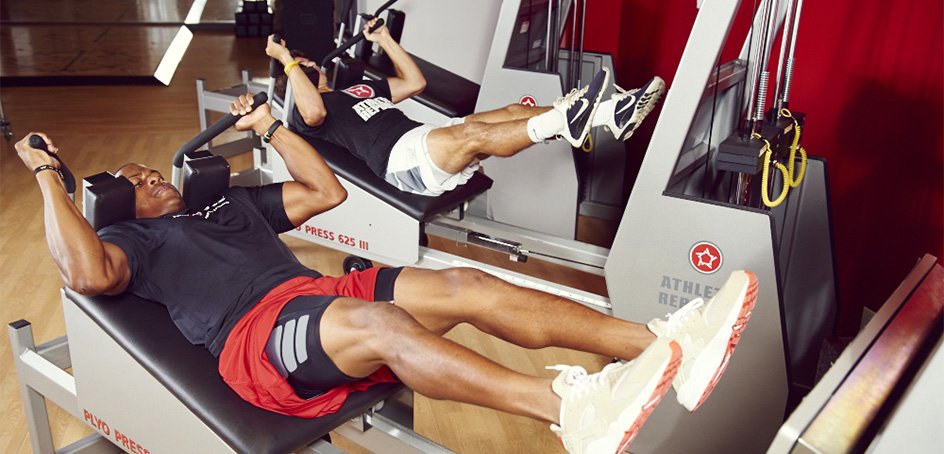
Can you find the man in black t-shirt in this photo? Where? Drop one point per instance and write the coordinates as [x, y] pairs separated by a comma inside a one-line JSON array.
[[230, 284], [429, 160]]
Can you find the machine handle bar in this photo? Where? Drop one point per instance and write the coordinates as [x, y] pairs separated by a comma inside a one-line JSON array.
[[214, 130], [359, 37], [275, 67]]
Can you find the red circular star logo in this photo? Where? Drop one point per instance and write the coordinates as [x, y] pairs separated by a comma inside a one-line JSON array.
[[705, 257], [360, 91], [528, 100]]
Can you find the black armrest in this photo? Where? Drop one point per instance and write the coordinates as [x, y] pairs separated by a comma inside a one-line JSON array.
[[145, 330]]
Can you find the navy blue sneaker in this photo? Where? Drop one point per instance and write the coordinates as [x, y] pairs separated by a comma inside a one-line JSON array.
[[632, 106], [579, 106]]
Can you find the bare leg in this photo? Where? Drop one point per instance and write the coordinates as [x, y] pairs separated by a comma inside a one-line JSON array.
[[507, 113], [529, 318], [500, 132], [453, 148], [360, 336]]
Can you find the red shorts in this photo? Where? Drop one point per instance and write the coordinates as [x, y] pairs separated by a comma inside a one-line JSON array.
[[246, 368]]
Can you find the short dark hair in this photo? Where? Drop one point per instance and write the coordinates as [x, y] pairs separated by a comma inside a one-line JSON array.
[[122, 167], [282, 80]]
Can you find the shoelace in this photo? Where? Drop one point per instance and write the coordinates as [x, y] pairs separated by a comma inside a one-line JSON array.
[[580, 380], [621, 90], [643, 100], [571, 98], [683, 317]]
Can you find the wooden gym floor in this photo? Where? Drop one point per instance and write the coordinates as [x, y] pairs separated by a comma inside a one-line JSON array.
[[100, 127]]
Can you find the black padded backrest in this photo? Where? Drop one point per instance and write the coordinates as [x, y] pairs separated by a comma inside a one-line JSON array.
[[446, 92], [349, 72], [107, 199], [144, 329], [416, 206]]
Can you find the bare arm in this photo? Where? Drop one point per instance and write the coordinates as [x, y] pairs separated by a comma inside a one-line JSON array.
[[306, 95], [315, 188], [409, 80], [86, 263]]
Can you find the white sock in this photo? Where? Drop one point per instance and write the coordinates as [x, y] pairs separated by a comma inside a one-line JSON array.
[[546, 125], [604, 113]]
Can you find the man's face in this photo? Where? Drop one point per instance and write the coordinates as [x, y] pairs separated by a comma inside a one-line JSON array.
[[153, 197]]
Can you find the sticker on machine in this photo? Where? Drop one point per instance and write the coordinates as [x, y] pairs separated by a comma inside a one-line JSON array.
[[528, 100], [360, 91], [705, 257]]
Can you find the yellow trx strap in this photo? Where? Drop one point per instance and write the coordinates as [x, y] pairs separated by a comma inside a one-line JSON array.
[[795, 180], [765, 197]]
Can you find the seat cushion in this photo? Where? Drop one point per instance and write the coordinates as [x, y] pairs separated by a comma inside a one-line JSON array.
[[145, 330], [418, 207]]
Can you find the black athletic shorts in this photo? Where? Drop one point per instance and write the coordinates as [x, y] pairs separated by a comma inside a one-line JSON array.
[[295, 349]]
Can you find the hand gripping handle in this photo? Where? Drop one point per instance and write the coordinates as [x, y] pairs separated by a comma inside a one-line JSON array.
[[213, 130], [37, 142]]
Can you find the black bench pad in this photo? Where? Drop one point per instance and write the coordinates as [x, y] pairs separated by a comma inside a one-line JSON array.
[[447, 93], [189, 372], [416, 206]]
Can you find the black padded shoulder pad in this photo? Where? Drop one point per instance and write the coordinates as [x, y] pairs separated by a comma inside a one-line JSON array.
[[418, 207], [107, 199], [144, 329], [205, 176]]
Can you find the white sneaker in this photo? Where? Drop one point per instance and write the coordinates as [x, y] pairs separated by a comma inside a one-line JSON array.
[[603, 412], [632, 107], [708, 333], [579, 107]]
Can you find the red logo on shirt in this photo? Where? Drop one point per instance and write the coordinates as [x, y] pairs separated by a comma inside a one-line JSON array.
[[528, 100], [705, 257], [360, 91]]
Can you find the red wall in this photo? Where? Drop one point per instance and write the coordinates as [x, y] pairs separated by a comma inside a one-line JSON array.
[[870, 77]]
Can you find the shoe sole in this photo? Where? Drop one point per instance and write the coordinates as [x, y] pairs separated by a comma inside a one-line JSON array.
[[638, 117], [593, 110], [747, 308], [665, 382]]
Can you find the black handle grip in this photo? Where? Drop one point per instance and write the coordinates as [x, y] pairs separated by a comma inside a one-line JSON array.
[[275, 67], [359, 37], [214, 130], [383, 7], [347, 45], [37, 142]]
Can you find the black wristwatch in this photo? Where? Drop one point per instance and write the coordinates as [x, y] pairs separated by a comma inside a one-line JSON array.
[[268, 135]]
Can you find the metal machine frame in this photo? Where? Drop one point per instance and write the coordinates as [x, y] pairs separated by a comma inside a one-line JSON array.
[[882, 394]]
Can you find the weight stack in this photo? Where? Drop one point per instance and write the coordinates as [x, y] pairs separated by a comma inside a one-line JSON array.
[[254, 18]]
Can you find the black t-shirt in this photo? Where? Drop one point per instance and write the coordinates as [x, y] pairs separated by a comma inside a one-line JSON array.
[[362, 119], [210, 266]]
